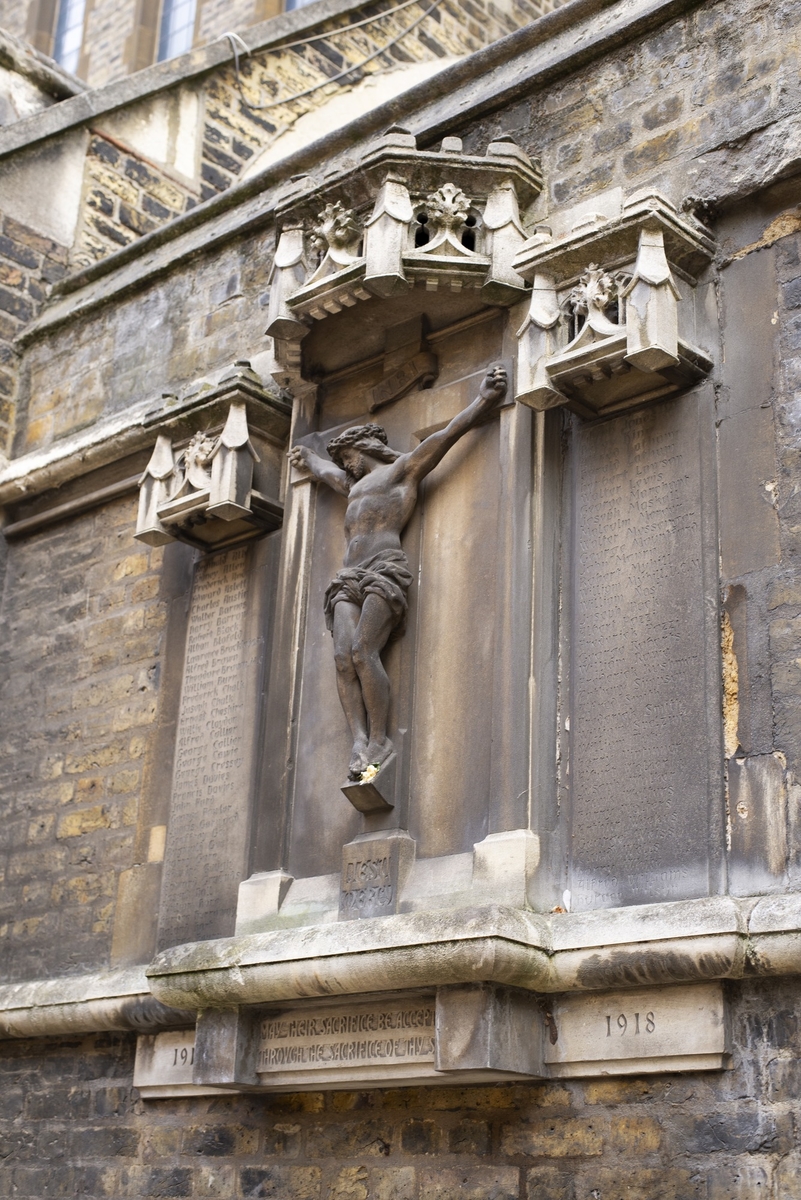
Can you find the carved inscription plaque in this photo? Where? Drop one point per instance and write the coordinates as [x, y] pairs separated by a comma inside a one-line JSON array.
[[638, 756], [639, 1030], [208, 824], [391, 1038], [164, 1063], [372, 870]]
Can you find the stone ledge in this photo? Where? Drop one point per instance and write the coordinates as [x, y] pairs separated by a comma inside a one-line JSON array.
[[84, 1004], [651, 944], [656, 944]]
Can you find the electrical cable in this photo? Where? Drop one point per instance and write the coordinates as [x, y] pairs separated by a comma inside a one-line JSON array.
[[342, 74]]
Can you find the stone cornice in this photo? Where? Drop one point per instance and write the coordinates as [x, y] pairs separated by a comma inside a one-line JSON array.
[[655, 944], [43, 72], [91, 1003]]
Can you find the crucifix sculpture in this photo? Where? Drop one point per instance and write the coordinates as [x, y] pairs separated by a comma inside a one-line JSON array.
[[366, 602]]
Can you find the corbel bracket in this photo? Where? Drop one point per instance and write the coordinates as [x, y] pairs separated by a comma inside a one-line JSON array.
[[603, 332]]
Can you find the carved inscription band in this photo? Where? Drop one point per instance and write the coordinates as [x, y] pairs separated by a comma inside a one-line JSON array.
[[398, 1032]]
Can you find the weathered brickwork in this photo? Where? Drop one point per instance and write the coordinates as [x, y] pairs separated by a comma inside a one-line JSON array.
[[83, 635], [207, 317], [703, 1137], [234, 132], [109, 28], [644, 114], [29, 263], [124, 197], [80, 640]]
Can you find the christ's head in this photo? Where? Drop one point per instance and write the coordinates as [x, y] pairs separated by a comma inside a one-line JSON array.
[[353, 449]]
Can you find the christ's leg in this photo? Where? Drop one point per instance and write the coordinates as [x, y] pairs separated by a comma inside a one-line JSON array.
[[372, 635], [346, 621]]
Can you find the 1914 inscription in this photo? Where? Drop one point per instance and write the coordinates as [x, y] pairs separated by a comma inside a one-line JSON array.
[[206, 844], [638, 757], [393, 1032]]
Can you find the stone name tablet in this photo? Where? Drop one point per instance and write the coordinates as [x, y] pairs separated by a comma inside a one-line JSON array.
[[394, 1040], [206, 853], [639, 1030], [641, 682], [164, 1064]]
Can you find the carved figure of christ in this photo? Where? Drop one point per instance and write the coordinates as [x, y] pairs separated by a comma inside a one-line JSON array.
[[366, 602]]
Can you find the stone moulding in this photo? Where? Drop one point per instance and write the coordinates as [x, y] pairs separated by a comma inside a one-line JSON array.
[[106, 1000], [684, 941], [602, 334], [658, 944], [205, 496], [403, 218]]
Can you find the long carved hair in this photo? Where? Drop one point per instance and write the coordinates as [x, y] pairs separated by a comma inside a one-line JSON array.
[[372, 439]]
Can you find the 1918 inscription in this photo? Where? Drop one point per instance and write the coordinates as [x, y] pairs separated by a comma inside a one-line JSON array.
[[681, 1028], [638, 756], [208, 811]]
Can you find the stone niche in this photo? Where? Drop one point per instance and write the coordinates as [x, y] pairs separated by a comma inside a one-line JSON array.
[[390, 292], [553, 689], [220, 485]]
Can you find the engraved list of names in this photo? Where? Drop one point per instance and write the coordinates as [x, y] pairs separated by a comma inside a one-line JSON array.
[[208, 825], [638, 756]]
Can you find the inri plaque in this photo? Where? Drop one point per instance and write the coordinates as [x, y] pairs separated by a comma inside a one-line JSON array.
[[640, 675]]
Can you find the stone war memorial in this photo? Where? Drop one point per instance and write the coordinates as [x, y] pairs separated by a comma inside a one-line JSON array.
[[400, 609]]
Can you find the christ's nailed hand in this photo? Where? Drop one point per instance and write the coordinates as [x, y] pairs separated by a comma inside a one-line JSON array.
[[494, 384], [299, 458]]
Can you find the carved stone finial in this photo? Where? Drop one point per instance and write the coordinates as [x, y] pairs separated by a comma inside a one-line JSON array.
[[194, 465], [594, 292], [447, 207], [337, 229]]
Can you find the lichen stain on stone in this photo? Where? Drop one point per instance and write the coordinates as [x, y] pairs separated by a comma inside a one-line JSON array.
[[622, 968], [731, 687]]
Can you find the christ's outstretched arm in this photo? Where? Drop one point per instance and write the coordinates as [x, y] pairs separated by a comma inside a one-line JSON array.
[[433, 449], [322, 469]]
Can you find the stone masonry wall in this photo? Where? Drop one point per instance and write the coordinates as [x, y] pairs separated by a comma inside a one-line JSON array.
[[83, 630], [81, 634], [71, 1125], [28, 264], [235, 132], [124, 196], [110, 25], [205, 318]]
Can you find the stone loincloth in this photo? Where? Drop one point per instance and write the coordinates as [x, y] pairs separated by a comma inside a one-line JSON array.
[[386, 574]]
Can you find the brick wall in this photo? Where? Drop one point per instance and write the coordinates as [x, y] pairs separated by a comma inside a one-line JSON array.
[[71, 1125], [643, 113], [124, 196], [81, 634], [205, 316], [28, 264], [110, 26]]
